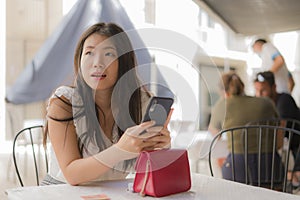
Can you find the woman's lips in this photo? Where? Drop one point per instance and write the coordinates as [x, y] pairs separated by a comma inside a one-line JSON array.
[[98, 76]]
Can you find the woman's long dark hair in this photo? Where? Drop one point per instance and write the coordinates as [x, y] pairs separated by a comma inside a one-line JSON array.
[[127, 62]]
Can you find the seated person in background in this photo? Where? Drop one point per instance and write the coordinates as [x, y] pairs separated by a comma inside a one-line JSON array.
[[265, 86], [237, 109], [94, 126]]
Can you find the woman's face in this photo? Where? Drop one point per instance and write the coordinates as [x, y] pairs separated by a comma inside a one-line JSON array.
[[99, 62]]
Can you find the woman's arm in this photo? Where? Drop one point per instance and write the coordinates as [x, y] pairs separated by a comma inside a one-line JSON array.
[[79, 170], [64, 141], [76, 169]]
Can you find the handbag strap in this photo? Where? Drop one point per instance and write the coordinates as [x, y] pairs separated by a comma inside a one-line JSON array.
[[142, 192]]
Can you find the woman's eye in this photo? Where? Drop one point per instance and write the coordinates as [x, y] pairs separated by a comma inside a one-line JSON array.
[[88, 53], [109, 54]]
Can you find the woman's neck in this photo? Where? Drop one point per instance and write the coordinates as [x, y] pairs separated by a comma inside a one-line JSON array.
[[106, 120], [103, 100]]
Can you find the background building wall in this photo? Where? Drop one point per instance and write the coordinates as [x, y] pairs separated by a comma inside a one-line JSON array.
[[28, 24]]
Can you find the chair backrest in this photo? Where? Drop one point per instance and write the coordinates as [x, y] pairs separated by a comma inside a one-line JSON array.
[[285, 122], [295, 141], [29, 141], [254, 158]]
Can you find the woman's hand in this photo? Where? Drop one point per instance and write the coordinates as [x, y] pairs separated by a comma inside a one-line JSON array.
[[133, 142], [160, 139], [145, 136], [161, 135]]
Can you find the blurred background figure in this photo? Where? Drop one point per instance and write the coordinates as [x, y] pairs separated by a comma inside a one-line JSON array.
[[265, 86], [273, 61], [235, 108]]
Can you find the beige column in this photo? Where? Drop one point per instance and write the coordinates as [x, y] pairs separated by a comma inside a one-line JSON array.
[[2, 67]]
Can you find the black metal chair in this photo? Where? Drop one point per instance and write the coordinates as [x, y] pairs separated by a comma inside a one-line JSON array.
[[295, 144], [29, 140], [258, 142], [285, 122]]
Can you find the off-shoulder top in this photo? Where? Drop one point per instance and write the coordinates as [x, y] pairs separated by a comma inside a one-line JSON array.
[[80, 126]]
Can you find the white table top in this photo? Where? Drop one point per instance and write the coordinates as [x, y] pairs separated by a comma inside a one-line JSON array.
[[203, 187]]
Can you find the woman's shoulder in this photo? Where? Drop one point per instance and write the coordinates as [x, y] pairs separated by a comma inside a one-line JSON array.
[[60, 103], [62, 99], [64, 91]]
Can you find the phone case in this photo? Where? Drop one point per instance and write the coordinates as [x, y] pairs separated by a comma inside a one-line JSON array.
[[158, 110]]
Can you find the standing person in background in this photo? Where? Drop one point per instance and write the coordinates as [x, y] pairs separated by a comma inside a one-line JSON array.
[[273, 61], [238, 109], [265, 86], [94, 126]]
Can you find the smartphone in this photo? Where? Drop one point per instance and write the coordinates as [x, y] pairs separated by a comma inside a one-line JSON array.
[[158, 110]]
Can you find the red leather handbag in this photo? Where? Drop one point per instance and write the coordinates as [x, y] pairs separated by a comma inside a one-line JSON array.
[[162, 172]]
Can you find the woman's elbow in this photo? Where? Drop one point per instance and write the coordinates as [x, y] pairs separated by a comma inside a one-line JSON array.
[[72, 181], [73, 178], [73, 184]]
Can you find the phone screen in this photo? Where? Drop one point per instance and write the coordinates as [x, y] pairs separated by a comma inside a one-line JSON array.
[[158, 110]]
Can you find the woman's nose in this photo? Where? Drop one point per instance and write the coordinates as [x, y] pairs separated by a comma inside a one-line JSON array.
[[98, 62], [99, 65]]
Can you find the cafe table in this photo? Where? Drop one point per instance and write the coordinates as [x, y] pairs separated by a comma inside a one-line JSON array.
[[203, 188]]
